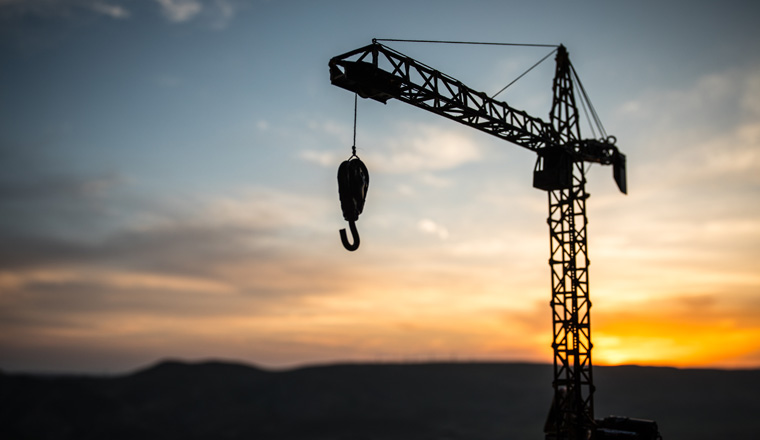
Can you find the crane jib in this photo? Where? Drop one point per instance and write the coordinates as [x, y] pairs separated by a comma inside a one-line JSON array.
[[380, 73]]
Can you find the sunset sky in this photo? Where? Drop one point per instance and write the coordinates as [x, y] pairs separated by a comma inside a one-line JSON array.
[[168, 190]]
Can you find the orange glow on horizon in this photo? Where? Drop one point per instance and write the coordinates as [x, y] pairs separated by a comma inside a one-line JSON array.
[[414, 315], [674, 341]]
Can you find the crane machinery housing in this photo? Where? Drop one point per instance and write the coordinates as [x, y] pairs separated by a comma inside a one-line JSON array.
[[380, 73]]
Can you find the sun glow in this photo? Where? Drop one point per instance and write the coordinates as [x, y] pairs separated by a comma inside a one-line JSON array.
[[675, 342]]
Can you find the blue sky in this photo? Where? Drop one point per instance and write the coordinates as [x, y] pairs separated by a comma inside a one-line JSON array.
[[167, 185]]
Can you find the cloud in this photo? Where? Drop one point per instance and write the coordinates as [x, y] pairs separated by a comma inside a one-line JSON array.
[[425, 148], [52, 8], [430, 227], [408, 149], [707, 131], [263, 125], [57, 187], [223, 12], [57, 204], [216, 13], [251, 268], [690, 219], [179, 11], [221, 265], [186, 236], [434, 181], [110, 10], [323, 158]]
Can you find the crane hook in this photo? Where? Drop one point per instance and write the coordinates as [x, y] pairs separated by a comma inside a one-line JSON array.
[[354, 234], [353, 181]]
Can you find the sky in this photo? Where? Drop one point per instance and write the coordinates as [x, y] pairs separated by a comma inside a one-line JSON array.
[[168, 185]]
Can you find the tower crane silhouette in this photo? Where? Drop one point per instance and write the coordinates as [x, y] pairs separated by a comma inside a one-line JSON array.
[[380, 73]]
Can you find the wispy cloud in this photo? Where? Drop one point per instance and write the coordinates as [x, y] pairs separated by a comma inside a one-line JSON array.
[[428, 226], [46, 8], [406, 149], [217, 13], [223, 12], [323, 158], [426, 147], [179, 11], [707, 131], [61, 186], [111, 10]]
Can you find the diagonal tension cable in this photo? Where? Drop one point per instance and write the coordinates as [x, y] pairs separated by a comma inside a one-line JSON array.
[[597, 120], [585, 111], [555, 46], [465, 42], [524, 73]]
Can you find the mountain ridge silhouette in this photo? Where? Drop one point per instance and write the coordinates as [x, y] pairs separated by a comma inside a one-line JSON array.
[[428, 400]]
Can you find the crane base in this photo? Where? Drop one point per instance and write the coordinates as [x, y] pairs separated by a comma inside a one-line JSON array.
[[619, 428]]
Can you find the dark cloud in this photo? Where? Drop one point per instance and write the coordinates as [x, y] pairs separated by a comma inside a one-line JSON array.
[[58, 219], [10, 9], [85, 303], [38, 206], [183, 262], [19, 252], [180, 249], [216, 12], [68, 188]]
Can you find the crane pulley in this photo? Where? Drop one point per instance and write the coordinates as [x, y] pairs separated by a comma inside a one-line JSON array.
[[353, 182]]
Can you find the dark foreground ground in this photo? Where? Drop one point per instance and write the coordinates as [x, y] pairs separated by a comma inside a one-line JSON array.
[[388, 401]]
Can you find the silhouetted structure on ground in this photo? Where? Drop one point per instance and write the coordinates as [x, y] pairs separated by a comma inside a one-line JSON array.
[[381, 73]]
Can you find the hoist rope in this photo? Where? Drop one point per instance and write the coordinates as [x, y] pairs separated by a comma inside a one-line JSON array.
[[465, 42], [524, 73], [353, 146]]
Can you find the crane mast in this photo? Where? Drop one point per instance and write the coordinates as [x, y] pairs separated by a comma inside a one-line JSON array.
[[381, 73], [572, 410]]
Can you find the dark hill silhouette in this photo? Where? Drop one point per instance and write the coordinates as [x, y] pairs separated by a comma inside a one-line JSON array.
[[215, 400]]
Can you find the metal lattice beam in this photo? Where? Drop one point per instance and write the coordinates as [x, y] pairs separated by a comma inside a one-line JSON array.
[[378, 72], [571, 320]]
